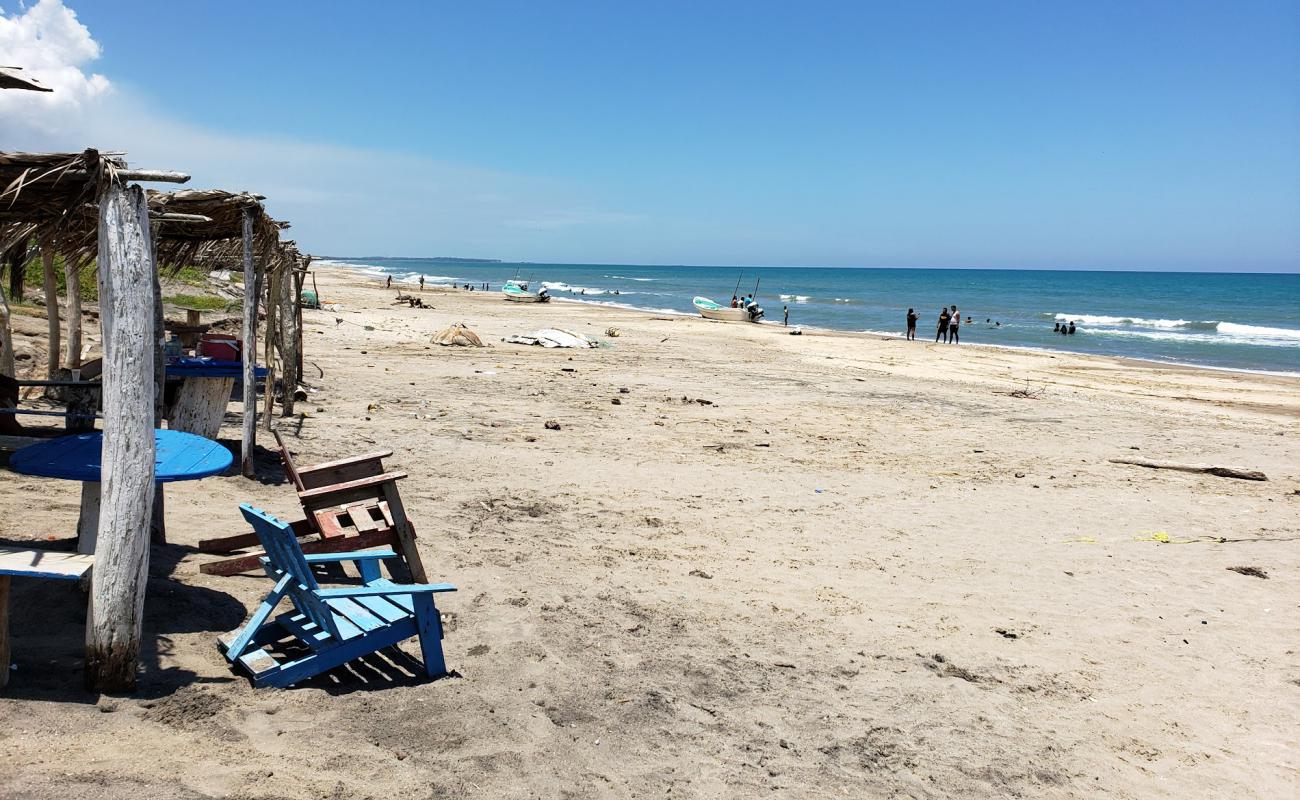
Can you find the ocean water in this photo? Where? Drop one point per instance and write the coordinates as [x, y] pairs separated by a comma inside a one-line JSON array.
[[1225, 320]]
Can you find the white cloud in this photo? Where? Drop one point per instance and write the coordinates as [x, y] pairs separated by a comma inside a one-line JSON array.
[[53, 47], [341, 200]]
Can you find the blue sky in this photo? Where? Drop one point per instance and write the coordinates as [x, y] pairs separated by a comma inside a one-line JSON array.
[[1135, 135]]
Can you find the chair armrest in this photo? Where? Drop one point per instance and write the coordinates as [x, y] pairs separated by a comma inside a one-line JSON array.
[[343, 462], [354, 555], [391, 588], [325, 492]]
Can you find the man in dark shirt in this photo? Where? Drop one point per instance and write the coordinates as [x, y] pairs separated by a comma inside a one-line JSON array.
[[912, 317]]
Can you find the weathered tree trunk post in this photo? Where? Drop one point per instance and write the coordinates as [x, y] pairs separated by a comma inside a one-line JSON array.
[[6, 339], [271, 346], [249, 439], [51, 310], [289, 344], [17, 260], [121, 569], [157, 519], [72, 274]]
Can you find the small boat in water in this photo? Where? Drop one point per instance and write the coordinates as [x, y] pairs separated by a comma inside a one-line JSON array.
[[711, 310], [518, 293]]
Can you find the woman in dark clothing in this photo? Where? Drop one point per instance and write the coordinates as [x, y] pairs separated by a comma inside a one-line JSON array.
[[944, 318]]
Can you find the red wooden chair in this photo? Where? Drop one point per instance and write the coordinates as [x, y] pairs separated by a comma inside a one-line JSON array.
[[349, 504]]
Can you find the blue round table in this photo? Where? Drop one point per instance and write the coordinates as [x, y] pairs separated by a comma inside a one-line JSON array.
[[178, 456]]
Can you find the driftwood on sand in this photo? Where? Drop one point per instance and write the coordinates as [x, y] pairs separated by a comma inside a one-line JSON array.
[[458, 336], [1222, 472]]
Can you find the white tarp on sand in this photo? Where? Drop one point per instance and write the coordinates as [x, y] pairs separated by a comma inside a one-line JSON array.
[[552, 337]]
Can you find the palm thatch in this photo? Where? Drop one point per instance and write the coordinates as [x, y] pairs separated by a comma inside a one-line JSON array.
[[8, 80]]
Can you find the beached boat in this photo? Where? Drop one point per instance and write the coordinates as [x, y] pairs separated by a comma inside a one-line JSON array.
[[519, 293], [711, 310]]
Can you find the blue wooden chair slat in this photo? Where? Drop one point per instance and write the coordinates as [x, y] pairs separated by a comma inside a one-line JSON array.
[[334, 625]]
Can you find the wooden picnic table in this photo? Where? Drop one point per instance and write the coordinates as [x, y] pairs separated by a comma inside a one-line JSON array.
[[178, 456], [47, 564]]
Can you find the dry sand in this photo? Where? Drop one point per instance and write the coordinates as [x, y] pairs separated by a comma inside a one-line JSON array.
[[860, 569]]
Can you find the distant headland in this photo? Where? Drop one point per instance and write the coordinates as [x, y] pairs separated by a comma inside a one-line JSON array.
[[437, 259]]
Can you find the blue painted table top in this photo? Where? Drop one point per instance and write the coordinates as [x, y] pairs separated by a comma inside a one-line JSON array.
[[178, 457], [202, 367]]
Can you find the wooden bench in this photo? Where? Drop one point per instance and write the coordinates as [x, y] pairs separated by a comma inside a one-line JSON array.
[[20, 563], [349, 504]]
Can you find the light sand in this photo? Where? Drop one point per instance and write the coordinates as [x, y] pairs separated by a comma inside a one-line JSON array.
[[855, 595]]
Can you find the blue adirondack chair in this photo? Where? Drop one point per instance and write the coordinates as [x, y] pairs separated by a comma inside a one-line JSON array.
[[335, 625]]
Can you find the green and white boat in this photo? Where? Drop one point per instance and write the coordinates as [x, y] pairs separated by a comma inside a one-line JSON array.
[[518, 293]]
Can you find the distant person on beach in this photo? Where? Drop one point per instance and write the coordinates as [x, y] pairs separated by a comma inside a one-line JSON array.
[[734, 302], [786, 311], [944, 319], [389, 283], [912, 317], [954, 326], [422, 283]]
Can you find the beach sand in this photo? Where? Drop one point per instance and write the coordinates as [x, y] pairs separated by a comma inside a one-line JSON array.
[[826, 565]]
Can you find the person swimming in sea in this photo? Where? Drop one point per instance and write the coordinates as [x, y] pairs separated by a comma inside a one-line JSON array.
[[1071, 327]]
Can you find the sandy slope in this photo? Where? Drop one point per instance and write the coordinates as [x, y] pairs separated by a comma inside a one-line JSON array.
[[855, 595]]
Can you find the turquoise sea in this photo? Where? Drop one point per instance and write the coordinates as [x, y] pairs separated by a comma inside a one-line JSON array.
[[1227, 320]]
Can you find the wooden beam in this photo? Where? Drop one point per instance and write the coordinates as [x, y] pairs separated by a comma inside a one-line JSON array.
[[126, 269], [148, 175], [249, 439], [51, 311]]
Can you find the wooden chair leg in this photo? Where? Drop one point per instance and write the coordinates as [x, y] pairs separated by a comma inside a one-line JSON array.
[[4, 631], [405, 533], [429, 628]]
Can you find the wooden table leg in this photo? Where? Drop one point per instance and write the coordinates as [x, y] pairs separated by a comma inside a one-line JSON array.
[[200, 406], [88, 522], [4, 630]]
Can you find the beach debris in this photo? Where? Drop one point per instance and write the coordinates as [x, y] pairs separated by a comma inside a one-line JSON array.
[[796, 332], [1254, 572], [1006, 634], [612, 333], [552, 337], [1207, 469], [458, 335], [552, 425], [624, 390], [1027, 393], [615, 401], [699, 573], [1020, 474]]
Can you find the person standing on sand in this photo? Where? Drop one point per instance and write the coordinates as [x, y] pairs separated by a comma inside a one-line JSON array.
[[786, 321], [954, 326], [422, 283], [943, 324], [389, 283], [911, 324]]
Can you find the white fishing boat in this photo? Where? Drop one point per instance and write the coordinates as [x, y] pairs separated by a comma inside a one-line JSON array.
[[711, 310], [518, 293]]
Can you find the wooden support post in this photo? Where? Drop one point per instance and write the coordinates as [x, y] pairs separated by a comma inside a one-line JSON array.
[[17, 260], [249, 439], [289, 342], [157, 517], [274, 280], [121, 571], [88, 520], [6, 339], [51, 311], [200, 406], [72, 275]]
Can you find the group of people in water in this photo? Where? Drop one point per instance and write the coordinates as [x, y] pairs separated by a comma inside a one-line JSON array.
[[1061, 327]]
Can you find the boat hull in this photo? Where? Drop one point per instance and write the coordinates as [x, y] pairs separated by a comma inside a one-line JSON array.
[[711, 310]]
